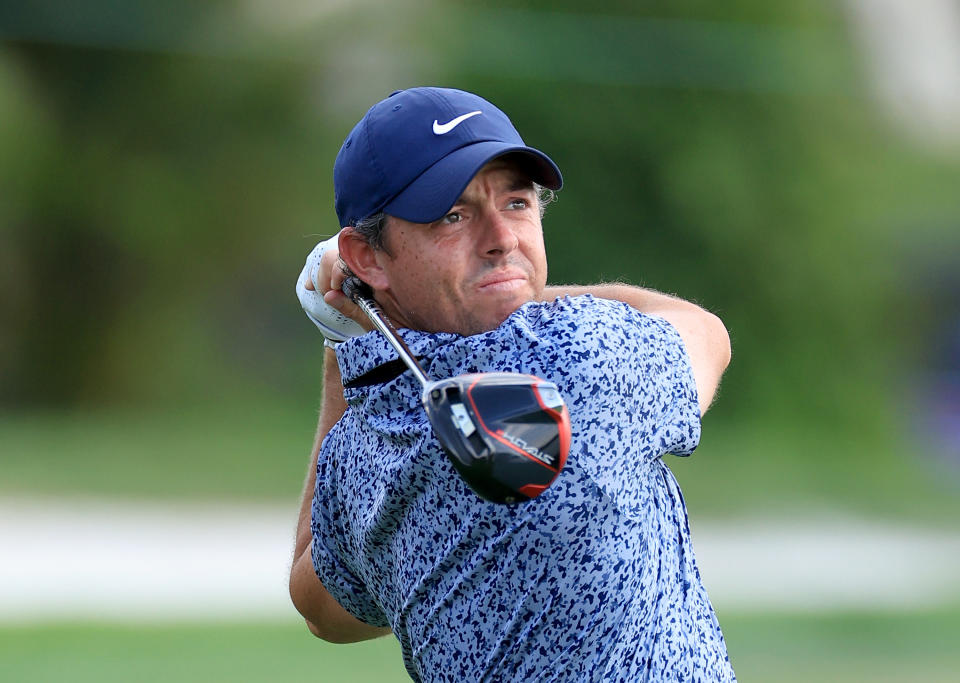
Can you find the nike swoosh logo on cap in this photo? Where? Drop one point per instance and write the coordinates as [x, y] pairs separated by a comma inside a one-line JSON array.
[[443, 128]]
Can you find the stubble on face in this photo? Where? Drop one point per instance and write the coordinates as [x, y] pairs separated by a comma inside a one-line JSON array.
[[469, 271]]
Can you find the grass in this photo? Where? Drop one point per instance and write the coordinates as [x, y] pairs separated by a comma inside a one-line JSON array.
[[187, 654], [770, 648], [848, 647], [781, 470], [246, 452]]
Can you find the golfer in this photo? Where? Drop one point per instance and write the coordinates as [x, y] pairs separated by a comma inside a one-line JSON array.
[[595, 579]]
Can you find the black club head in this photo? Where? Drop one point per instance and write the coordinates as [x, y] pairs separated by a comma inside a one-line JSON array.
[[506, 434]]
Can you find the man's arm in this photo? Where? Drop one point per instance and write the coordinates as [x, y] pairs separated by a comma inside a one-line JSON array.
[[325, 617], [704, 334]]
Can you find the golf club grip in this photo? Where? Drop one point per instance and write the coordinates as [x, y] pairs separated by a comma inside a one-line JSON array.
[[356, 288], [359, 292]]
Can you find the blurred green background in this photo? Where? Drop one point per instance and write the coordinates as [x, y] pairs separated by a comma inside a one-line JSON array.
[[793, 166]]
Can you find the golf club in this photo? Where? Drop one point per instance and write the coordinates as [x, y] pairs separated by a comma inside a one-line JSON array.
[[506, 434]]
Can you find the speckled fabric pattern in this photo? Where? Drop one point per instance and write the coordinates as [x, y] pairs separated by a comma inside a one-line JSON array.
[[594, 580]]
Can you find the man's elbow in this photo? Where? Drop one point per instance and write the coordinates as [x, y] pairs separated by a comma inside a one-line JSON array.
[[324, 617], [314, 629], [342, 633], [331, 636], [720, 341], [710, 356], [305, 596], [320, 627]]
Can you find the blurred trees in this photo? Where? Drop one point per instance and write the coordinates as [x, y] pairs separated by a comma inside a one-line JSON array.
[[148, 198], [157, 203]]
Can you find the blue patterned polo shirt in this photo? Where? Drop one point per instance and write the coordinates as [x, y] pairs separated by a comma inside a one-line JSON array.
[[594, 580]]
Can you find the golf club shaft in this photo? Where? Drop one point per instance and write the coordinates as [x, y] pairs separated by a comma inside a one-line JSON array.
[[358, 292]]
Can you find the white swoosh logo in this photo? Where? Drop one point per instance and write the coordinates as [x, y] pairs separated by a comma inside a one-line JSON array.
[[443, 128]]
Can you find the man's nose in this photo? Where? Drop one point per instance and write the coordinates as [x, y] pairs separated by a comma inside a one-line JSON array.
[[499, 235]]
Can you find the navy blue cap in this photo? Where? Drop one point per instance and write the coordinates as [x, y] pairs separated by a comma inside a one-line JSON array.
[[413, 154]]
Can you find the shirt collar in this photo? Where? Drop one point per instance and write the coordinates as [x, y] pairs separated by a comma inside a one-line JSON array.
[[358, 356]]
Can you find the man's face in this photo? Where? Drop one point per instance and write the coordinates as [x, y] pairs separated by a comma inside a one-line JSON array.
[[467, 272]]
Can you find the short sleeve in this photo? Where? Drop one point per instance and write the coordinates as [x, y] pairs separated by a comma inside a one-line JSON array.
[[331, 550], [629, 387], [667, 392]]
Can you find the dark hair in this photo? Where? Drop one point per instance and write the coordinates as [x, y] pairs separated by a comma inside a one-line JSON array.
[[371, 229]]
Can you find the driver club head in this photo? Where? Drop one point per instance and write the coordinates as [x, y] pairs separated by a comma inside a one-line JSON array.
[[506, 434]]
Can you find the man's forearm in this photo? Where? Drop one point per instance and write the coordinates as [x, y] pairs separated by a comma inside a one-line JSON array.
[[640, 298], [325, 618], [332, 408]]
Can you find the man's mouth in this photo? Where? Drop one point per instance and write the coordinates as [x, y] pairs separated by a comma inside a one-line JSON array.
[[504, 281]]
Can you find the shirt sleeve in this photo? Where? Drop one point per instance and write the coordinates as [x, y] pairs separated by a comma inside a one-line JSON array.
[[667, 390], [628, 384], [331, 549]]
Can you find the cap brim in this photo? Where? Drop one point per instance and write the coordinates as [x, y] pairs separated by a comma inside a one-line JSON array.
[[431, 195]]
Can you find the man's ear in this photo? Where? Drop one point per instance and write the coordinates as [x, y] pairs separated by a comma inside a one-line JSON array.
[[361, 258]]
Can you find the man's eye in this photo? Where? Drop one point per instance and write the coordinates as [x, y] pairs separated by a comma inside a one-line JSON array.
[[453, 217], [518, 204]]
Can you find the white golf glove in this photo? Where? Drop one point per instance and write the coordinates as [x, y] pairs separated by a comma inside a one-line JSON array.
[[335, 326]]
